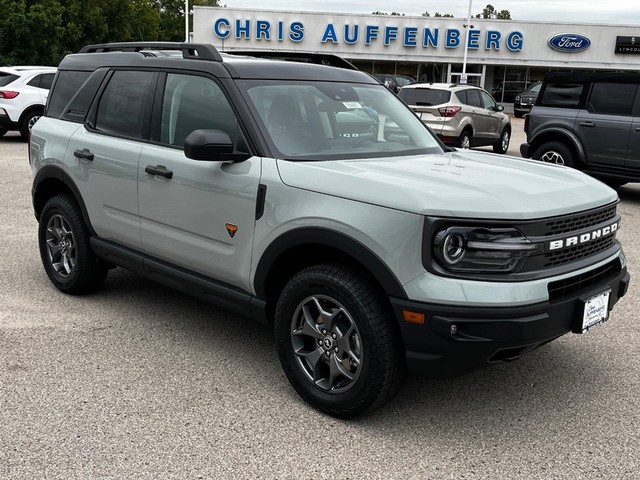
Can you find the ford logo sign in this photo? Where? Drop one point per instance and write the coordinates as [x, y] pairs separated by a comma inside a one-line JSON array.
[[569, 42]]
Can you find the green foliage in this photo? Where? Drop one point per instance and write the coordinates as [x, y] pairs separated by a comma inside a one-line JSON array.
[[41, 32], [489, 12]]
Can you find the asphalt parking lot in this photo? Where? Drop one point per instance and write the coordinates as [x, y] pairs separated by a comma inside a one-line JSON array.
[[139, 381]]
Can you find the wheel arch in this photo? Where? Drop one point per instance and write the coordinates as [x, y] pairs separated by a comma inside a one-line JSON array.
[[31, 108], [290, 253], [51, 181], [559, 135]]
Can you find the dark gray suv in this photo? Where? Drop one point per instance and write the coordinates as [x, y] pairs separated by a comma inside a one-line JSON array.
[[590, 122]]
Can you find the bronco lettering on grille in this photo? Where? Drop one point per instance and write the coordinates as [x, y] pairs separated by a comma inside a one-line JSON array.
[[585, 237]]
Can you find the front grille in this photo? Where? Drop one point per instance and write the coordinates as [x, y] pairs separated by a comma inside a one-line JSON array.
[[577, 252], [572, 223], [563, 288]]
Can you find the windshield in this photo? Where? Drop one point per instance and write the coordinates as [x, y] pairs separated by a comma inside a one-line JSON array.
[[310, 120], [535, 88]]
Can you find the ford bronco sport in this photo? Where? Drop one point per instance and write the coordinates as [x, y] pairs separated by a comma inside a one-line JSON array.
[[311, 198]]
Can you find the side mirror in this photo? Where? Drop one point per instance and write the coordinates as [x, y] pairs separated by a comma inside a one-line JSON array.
[[209, 145], [499, 108]]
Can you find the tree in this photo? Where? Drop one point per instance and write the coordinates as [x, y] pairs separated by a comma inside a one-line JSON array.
[[489, 12]]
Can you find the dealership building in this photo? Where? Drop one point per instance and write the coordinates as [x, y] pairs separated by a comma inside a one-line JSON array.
[[503, 56]]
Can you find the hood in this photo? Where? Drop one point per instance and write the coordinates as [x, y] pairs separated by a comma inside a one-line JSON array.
[[468, 184]]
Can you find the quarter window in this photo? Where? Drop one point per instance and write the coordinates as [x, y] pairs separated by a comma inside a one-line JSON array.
[[612, 98], [67, 84], [192, 103], [125, 105], [562, 95]]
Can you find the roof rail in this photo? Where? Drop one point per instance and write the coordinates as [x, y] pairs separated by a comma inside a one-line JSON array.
[[317, 58], [197, 51]]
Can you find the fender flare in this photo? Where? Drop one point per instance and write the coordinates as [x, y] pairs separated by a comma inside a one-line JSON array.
[[573, 138], [329, 238], [55, 172]]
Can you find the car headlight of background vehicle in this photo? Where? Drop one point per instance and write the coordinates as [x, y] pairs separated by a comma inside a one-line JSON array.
[[517, 98], [482, 250]]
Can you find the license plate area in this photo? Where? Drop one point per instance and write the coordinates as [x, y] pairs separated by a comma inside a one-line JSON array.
[[595, 311]]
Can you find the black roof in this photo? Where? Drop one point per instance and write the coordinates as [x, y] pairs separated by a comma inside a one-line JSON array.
[[584, 77], [205, 58]]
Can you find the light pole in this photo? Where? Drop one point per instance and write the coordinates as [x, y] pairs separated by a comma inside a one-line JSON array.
[[468, 26], [186, 21]]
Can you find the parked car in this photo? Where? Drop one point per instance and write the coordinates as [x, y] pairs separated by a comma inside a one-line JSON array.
[[461, 115], [589, 121], [311, 198], [394, 82], [526, 99], [23, 95]]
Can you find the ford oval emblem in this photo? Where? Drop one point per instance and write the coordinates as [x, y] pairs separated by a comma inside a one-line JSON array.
[[569, 42]]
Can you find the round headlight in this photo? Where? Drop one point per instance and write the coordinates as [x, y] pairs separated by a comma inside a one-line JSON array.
[[453, 248]]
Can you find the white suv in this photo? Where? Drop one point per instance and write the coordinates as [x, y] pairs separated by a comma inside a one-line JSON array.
[[23, 95]]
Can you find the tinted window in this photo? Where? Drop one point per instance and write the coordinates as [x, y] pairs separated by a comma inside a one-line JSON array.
[[473, 98], [7, 78], [46, 80], [66, 85], [78, 106], [191, 103], [35, 81], [562, 94], [424, 97], [612, 98], [462, 96], [125, 104]]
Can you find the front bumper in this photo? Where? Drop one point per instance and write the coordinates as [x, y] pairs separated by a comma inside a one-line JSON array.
[[456, 339], [524, 150]]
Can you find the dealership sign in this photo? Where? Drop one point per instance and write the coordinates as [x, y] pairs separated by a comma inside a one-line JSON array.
[[366, 34], [628, 45], [569, 42]]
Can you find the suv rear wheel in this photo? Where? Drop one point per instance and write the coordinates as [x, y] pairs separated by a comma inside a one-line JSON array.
[[336, 342], [555, 152], [465, 139], [65, 250], [503, 144], [28, 122]]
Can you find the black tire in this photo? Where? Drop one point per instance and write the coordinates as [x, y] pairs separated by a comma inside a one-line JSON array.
[[555, 152], [63, 233], [3, 131], [25, 130], [378, 374], [503, 144], [465, 139]]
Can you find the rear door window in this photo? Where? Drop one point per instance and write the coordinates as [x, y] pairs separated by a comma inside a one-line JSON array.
[[424, 97], [473, 98], [125, 106]]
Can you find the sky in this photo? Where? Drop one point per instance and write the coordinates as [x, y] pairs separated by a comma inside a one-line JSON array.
[[620, 12]]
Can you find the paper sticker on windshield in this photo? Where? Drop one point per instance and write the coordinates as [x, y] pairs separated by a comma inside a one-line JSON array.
[[352, 105]]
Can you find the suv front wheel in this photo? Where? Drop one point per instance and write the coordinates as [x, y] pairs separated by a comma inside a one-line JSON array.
[[336, 341], [503, 144], [555, 152], [65, 250]]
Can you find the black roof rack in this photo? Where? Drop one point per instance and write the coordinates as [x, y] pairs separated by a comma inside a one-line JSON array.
[[197, 51], [317, 58]]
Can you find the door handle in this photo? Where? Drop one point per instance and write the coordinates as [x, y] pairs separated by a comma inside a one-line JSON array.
[[159, 170], [85, 153], [637, 129], [587, 124]]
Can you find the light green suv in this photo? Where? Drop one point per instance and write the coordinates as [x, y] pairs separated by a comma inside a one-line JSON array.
[[309, 197]]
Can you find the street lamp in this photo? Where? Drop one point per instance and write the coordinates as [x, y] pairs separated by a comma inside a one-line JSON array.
[[468, 26], [186, 21]]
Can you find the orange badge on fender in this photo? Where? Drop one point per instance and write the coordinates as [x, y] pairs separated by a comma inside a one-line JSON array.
[[231, 229]]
